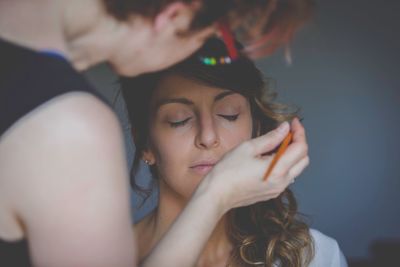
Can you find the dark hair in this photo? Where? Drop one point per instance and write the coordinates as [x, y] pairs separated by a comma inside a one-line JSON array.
[[251, 19], [265, 232]]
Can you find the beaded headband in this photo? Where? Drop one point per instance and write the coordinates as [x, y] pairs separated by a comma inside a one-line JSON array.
[[229, 41], [215, 61]]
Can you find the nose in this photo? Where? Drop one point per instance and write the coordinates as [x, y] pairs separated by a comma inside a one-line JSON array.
[[207, 135]]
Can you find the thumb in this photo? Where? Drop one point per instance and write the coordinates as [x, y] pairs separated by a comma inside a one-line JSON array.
[[267, 142]]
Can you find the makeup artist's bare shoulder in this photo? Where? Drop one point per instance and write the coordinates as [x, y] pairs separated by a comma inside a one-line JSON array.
[[71, 110], [45, 153], [68, 123]]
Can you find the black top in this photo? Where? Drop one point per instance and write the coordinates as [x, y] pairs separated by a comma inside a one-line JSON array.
[[27, 80]]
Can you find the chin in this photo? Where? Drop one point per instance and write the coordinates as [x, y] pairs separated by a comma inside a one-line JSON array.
[[128, 71]]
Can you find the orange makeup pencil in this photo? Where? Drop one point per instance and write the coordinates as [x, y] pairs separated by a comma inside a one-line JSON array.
[[279, 153]]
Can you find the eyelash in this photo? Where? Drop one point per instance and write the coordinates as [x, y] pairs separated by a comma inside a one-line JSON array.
[[183, 122], [230, 117], [179, 123]]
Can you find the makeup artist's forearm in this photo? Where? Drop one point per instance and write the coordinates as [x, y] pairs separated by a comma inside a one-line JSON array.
[[183, 243]]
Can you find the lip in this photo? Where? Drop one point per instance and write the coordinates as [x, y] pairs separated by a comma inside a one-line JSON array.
[[203, 167]]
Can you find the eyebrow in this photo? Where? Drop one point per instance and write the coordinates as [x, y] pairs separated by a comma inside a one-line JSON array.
[[223, 94], [188, 102]]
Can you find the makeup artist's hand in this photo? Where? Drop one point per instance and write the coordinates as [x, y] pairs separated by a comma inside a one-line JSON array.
[[237, 180]]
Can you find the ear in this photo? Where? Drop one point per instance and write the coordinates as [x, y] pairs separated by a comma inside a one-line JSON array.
[[148, 156], [178, 15]]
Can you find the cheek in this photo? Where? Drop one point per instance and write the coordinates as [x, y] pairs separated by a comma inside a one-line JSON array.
[[172, 154], [165, 151]]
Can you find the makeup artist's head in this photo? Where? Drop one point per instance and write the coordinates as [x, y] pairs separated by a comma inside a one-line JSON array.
[[188, 117], [167, 31]]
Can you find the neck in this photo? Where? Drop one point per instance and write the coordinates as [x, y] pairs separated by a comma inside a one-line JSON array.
[[216, 250]]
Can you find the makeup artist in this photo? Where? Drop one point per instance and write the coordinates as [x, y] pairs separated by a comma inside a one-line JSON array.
[[64, 198]]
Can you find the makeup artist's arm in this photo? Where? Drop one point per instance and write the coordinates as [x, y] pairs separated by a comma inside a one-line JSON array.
[[237, 180]]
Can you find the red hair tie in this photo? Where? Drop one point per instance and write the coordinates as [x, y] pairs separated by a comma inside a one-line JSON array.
[[227, 37]]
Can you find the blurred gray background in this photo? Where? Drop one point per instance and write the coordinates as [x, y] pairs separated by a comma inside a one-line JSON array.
[[346, 79]]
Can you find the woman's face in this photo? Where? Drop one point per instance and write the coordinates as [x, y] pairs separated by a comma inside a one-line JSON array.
[[191, 127]]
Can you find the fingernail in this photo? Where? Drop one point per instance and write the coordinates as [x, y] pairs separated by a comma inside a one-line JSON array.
[[283, 127]]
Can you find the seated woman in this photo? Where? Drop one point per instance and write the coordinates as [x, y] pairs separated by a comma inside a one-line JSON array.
[[188, 117]]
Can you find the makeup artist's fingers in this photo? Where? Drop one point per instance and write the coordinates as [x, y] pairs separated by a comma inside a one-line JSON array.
[[299, 134], [267, 142], [296, 151], [293, 155], [237, 179], [297, 169], [292, 163]]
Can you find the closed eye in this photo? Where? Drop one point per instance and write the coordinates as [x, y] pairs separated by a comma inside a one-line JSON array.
[[229, 117], [176, 124]]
